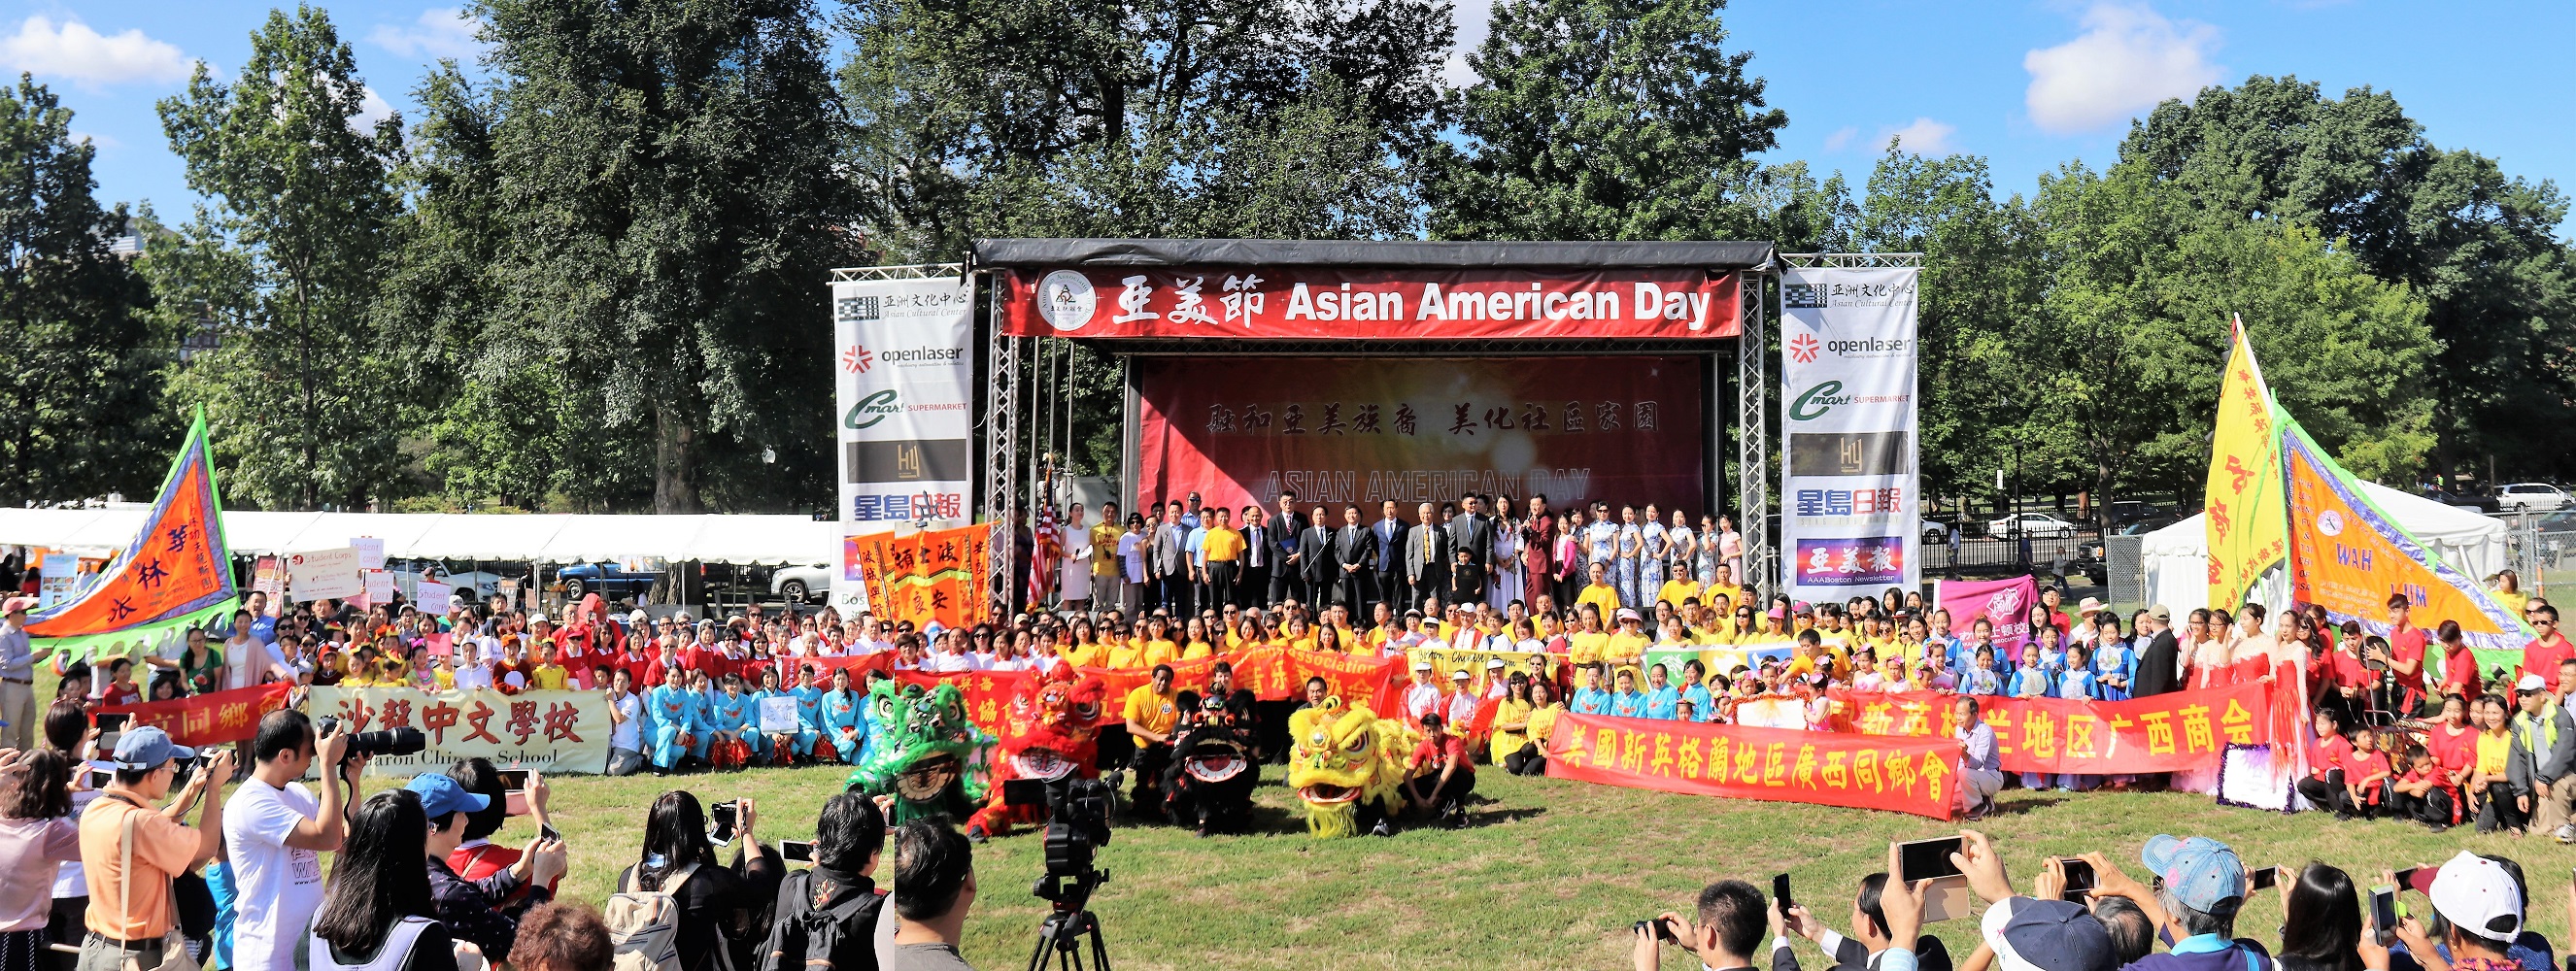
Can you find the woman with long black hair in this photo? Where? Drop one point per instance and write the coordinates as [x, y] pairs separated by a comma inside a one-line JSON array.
[[719, 905], [2321, 927], [377, 903]]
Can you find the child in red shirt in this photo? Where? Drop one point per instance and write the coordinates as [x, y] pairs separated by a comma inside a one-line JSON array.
[[2366, 773], [2324, 786], [2425, 793]]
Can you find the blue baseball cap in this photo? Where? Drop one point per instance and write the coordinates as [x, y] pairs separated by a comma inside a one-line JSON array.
[[2199, 871], [441, 796], [146, 747]]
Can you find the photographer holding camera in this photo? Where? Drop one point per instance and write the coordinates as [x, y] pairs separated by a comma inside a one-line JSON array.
[[131, 850], [276, 834], [480, 912], [720, 906], [828, 914]]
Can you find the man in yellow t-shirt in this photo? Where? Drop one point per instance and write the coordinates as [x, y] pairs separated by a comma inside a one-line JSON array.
[[1104, 556], [1151, 710], [1677, 591], [1599, 593], [1223, 548], [1725, 585]]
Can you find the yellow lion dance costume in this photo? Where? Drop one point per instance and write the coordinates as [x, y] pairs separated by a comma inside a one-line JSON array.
[[1347, 766]]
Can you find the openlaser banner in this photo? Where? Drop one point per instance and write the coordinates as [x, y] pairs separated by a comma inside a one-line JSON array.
[[1413, 430], [904, 376], [1849, 491]]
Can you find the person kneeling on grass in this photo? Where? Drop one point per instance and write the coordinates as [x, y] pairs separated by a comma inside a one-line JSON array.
[[1442, 761]]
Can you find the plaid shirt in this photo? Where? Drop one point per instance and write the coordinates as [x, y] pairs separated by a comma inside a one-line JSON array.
[[478, 910]]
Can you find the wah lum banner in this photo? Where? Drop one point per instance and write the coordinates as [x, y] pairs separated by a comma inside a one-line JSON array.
[[1339, 303], [556, 731], [2247, 517], [1717, 660], [2175, 732], [1820, 768], [218, 718], [2349, 555], [1239, 430], [1270, 673], [177, 573], [932, 575], [2003, 603]]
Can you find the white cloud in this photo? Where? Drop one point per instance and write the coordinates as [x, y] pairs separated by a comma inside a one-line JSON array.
[[1922, 136], [1841, 137], [2128, 59], [1475, 19], [437, 32], [371, 109], [74, 52]]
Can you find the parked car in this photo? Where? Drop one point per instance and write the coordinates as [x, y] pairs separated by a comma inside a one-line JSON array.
[[605, 579], [2034, 524], [802, 583], [470, 586], [2150, 524], [1934, 533], [2531, 497], [2459, 500]]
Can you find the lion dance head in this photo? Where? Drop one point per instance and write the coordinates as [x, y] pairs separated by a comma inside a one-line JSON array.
[[1343, 757]]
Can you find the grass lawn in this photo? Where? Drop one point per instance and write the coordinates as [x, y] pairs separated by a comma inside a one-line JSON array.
[[1550, 875]]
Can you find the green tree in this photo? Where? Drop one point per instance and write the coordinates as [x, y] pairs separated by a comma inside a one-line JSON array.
[[1604, 119], [2479, 246], [84, 376], [284, 262], [652, 193]]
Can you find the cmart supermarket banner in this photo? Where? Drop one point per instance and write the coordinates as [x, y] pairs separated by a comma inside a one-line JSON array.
[[555, 731], [2176, 732], [1819, 768]]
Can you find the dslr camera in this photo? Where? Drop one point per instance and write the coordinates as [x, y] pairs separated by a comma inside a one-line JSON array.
[[394, 741]]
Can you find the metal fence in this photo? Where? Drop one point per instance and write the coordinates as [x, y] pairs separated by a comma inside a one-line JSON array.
[[2540, 547], [2050, 553]]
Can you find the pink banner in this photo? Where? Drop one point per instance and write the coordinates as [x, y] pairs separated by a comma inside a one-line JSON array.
[[2004, 603]]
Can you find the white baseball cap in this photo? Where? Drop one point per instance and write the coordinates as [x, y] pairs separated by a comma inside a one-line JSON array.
[[2531, 682], [2477, 896]]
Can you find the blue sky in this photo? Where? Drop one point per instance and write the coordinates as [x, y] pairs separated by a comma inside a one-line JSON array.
[[2027, 84]]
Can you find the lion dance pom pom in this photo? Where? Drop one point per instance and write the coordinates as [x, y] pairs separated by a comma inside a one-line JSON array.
[[1346, 765]]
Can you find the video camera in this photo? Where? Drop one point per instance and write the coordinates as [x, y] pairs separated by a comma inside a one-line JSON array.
[[395, 741], [1077, 826]]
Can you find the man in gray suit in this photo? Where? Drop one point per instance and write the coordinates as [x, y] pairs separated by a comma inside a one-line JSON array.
[[1351, 556], [1167, 562], [1472, 532], [1315, 549], [1426, 556]]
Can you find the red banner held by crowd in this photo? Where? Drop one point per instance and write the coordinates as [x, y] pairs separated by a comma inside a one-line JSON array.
[[210, 719], [1820, 768], [1270, 673], [2174, 732], [933, 575]]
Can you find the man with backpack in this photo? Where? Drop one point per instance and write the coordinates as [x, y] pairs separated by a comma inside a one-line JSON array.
[[827, 915]]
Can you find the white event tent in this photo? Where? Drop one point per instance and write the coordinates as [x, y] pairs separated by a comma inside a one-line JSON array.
[[772, 540], [2175, 559]]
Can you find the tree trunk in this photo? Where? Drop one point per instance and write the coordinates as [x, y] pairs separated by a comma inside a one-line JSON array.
[[675, 470]]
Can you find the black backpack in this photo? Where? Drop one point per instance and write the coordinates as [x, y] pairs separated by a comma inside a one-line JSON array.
[[804, 937]]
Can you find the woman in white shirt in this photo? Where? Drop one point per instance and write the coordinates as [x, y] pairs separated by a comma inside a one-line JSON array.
[[949, 654]]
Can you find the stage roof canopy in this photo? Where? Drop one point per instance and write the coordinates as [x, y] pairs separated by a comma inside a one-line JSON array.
[[541, 538], [1711, 255]]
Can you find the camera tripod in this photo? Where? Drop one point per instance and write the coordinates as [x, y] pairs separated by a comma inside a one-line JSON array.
[[1063, 933]]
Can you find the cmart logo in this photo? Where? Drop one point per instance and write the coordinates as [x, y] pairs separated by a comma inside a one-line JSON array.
[[1814, 402]]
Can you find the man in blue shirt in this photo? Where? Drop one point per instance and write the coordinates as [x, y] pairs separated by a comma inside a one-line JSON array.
[[1662, 699]]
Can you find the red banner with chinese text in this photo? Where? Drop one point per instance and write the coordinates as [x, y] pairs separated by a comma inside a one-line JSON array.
[[1364, 431], [2182, 731], [1336, 303], [1819, 768], [209, 719], [556, 731], [935, 575]]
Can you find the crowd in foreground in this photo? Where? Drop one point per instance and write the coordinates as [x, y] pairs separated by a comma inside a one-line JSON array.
[[2086, 913]]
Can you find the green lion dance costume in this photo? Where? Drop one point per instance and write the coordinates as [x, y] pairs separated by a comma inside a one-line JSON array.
[[1347, 766], [923, 752]]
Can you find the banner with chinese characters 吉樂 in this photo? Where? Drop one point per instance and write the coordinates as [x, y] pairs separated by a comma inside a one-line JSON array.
[[2176, 732], [1913, 775], [214, 718], [935, 575], [554, 731]]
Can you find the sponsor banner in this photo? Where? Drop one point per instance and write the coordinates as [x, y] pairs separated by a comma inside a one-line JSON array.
[[555, 731], [317, 574], [1330, 303], [2349, 556], [2247, 517], [932, 576], [1721, 659], [904, 378], [1239, 430], [2174, 732], [1539, 665], [1848, 422], [217, 718], [2003, 603], [177, 573], [1909, 775]]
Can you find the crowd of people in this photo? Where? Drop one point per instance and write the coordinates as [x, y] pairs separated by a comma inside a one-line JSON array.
[[2087, 913]]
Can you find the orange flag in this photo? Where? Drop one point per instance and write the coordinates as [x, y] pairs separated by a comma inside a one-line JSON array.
[[176, 574]]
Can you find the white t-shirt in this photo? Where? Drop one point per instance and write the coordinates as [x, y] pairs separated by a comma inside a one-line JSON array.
[[472, 676], [279, 886], [627, 734]]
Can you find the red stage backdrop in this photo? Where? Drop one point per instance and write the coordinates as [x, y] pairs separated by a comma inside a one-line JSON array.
[[1237, 430], [1331, 303]]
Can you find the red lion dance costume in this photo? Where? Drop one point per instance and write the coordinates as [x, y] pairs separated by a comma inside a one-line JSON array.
[[1046, 735]]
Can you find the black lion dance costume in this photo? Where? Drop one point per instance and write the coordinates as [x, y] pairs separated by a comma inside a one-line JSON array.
[[1209, 784]]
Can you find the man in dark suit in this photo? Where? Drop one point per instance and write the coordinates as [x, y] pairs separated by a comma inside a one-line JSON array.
[[1426, 557], [1386, 562], [1351, 556], [1167, 562], [1316, 566], [1472, 532], [1287, 568], [1257, 558], [2160, 665]]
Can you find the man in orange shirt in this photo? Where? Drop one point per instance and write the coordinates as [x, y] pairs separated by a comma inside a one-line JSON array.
[[132, 911]]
